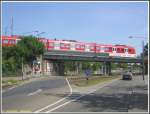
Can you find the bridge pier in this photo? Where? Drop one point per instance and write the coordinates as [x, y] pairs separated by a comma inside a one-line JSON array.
[[78, 68], [106, 68], [60, 68]]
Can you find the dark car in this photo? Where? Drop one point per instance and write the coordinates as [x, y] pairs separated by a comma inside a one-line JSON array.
[[127, 76]]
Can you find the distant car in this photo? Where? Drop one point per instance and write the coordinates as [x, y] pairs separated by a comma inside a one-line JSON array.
[[127, 76]]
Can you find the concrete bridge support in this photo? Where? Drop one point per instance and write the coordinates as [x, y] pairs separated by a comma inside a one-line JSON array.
[[53, 68], [106, 68], [78, 68]]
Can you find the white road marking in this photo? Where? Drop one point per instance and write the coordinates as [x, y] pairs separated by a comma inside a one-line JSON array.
[[80, 96], [58, 100], [3, 91], [12, 88], [69, 86], [36, 92]]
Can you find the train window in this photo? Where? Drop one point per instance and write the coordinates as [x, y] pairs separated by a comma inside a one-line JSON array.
[[110, 48], [126, 50], [82, 46], [92, 47], [118, 49], [122, 50], [130, 50], [114, 49], [51, 44], [67, 45], [12, 41], [5, 41], [106, 48], [72, 45], [97, 48], [62, 45], [57, 44], [77, 46], [102, 48], [87, 47]]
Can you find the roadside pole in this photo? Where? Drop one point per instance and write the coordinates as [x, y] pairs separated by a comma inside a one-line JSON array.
[[143, 66], [22, 69]]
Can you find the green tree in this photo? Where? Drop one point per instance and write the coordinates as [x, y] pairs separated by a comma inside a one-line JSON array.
[[27, 49], [69, 66], [113, 66], [30, 48], [86, 65], [10, 60], [96, 66], [146, 50]]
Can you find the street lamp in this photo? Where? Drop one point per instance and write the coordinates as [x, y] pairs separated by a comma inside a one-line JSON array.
[[142, 53]]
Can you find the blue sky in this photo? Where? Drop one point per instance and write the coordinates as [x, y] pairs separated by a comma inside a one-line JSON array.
[[101, 22]]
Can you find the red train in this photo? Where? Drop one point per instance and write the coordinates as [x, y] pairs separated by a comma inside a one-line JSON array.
[[81, 47]]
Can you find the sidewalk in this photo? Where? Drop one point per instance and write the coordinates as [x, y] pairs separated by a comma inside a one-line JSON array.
[[139, 95]]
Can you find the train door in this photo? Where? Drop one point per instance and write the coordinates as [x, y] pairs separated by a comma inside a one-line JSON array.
[[126, 52], [87, 48], [72, 47], [114, 51], [57, 45]]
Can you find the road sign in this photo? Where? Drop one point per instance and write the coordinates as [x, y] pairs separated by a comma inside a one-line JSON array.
[[88, 73]]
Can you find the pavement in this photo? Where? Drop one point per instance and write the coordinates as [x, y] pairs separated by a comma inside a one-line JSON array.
[[34, 95], [58, 95], [117, 96]]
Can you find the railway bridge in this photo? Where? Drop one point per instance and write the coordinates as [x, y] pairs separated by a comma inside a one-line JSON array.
[[53, 61]]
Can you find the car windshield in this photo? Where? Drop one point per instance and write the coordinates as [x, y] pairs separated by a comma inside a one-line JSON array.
[[127, 72]]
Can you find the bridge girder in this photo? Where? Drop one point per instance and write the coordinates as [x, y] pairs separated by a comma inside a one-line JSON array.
[[91, 59]]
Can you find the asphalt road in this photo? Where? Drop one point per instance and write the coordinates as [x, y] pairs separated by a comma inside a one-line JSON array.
[[33, 96], [53, 95], [119, 96]]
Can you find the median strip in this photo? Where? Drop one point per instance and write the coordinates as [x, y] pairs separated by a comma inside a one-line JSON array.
[[82, 82]]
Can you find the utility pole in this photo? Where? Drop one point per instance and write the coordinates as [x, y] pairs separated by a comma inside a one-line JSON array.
[[143, 66], [22, 68]]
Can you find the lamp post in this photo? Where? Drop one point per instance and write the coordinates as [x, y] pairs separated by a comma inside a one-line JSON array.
[[143, 66]]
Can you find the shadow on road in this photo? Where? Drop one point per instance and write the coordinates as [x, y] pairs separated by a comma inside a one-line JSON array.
[[115, 102]]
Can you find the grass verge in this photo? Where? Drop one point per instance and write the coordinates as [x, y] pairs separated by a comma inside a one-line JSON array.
[[93, 80], [10, 82]]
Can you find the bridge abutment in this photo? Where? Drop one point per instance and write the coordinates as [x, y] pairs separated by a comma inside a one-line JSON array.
[[53, 68]]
